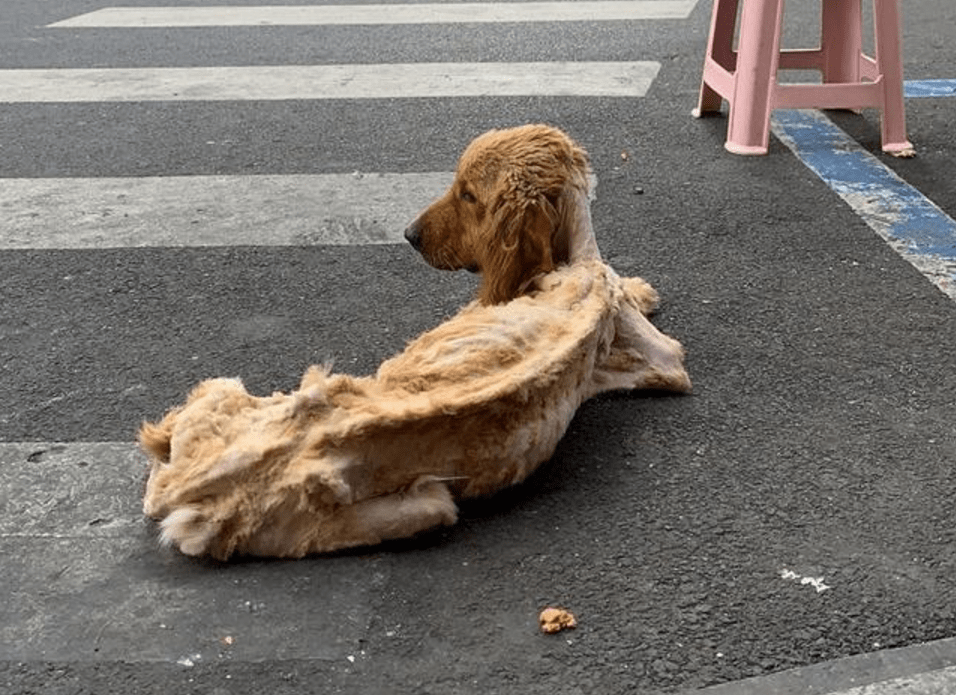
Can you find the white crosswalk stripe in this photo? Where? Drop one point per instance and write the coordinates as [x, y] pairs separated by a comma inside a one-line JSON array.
[[284, 82], [176, 211], [420, 13]]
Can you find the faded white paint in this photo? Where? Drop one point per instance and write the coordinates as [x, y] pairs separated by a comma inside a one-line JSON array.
[[816, 582], [936, 682], [291, 82], [420, 13], [184, 211]]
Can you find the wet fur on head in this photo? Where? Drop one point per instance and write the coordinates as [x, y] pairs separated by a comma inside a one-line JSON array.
[[508, 214]]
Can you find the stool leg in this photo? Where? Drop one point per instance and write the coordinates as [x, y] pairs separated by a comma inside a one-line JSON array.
[[758, 56], [720, 48], [889, 61], [841, 40]]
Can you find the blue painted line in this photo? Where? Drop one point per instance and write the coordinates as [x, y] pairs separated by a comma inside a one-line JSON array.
[[915, 89], [915, 226], [850, 170]]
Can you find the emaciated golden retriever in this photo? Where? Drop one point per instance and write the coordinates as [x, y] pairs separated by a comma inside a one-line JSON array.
[[469, 407]]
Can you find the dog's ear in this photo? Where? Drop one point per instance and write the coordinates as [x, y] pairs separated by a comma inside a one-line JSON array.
[[520, 249], [156, 439], [540, 214]]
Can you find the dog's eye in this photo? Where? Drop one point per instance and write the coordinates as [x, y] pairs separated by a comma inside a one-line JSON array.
[[467, 197]]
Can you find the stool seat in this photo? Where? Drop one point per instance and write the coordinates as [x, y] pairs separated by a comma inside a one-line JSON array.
[[747, 77]]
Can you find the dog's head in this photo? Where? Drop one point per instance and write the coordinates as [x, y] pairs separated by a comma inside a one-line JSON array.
[[517, 208]]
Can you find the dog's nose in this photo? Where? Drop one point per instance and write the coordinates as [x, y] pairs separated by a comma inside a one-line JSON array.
[[413, 234]]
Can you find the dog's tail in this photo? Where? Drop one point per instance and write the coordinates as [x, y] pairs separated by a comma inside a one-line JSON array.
[[155, 438]]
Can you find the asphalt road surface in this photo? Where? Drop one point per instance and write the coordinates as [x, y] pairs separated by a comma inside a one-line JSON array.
[[796, 508]]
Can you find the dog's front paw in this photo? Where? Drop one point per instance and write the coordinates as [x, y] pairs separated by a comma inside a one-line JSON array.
[[640, 292]]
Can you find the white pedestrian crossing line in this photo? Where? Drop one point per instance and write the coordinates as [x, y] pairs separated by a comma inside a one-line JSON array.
[[185, 211], [288, 82], [205, 211], [423, 13]]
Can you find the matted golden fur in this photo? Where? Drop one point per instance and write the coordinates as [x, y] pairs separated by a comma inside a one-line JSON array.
[[468, 408]]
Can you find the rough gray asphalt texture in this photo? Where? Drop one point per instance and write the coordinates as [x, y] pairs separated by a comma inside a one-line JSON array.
[[820, 436]]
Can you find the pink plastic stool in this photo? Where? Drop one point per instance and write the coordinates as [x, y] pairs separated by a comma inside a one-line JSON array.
[[747, 77]]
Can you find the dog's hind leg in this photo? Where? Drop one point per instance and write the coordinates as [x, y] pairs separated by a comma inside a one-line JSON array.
[[425, 504], [640, 356]]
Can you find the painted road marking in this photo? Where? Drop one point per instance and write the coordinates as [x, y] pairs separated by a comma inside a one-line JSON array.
[[383, 81], [84, 579], [922, 669], [197, 211], [424, 13], [178, 211], [914, 89], [816, 582], [912, 224], [934, 680]]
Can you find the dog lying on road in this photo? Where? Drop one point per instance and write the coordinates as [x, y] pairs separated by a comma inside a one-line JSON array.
[[468, 408]]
